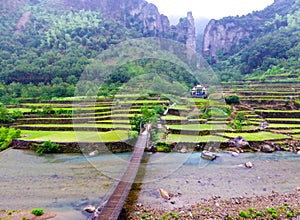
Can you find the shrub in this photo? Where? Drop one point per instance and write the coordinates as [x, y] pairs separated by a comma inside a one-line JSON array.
[[274, 215], [47, 109], [163, 147], [63, 112], [233, 99], [6, 137], [16, 114], [229, 217], [271, 210], [244, 214], [144, 216], [289, 214], [48, 147], [5, 117], [37, 211], [133, 135], [158, 109]]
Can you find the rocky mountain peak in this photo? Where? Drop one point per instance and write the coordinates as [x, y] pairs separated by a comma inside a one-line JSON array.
[[154, 23]]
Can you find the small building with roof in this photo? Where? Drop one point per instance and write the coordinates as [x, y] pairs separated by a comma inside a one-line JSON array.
[[199, 91]]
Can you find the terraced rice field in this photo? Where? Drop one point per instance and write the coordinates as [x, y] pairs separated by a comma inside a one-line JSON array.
[[274, 103], [105, 120], [108, 120]]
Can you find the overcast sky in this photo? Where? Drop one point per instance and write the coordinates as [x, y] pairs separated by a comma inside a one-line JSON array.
[[209, 8]]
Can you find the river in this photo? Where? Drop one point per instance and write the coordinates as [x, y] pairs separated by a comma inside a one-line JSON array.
[[66, 183]]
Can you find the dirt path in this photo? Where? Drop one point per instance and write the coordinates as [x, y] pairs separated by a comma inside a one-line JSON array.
[[22, 22]]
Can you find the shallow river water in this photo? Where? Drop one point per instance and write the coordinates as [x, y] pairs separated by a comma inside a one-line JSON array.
[[64, 184]]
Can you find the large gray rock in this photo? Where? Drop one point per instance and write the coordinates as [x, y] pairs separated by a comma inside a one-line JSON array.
[[264, 125], [267, 149], [238, 142], [208, 155]]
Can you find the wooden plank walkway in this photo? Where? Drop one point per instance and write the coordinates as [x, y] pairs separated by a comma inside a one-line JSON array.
[[114, 205]]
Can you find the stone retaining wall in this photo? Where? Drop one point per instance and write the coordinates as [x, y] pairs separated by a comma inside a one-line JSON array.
[[74, 147]]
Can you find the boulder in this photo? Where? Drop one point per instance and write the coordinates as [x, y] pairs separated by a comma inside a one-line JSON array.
[[248, 165], [298, 153], [235, 154], [208, 155], [90, 209], [238, 142], [164, 194], [94, 153], [153, 149], [264, 125], [183, 150], [267, 149]]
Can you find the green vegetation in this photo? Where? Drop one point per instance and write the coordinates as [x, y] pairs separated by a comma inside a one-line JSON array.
[[289, 214], [270, 53], [72, 136], [232, 99], [237, 122], [198, 127], [6, 117], [147, 115], [37, 211], [163, 147], [6, 136], [47, 147], [177, 138], [257, 136], [244, 214], [45, 58]]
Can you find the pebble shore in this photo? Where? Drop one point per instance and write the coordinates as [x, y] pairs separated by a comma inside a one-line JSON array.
[[273, 206]]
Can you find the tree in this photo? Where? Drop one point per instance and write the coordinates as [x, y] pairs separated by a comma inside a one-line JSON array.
[[5, 117], [147, 115]]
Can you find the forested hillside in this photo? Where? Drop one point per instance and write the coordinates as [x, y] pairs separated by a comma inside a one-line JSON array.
[[263, 42], [45, 45]]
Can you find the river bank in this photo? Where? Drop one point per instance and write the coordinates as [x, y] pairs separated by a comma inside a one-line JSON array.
[[275, 205]]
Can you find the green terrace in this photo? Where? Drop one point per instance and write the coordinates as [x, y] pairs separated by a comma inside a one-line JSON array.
[[187, 122], [90, 125], [197, 127], [173, 117], [75, 136], [179, 138], [258, 136]]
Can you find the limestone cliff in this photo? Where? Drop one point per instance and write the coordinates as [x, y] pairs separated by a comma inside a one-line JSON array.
[[223, 36], [154, 23], [186, 31]]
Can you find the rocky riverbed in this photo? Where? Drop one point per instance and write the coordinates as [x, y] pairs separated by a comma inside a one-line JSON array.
[[275, 205]]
